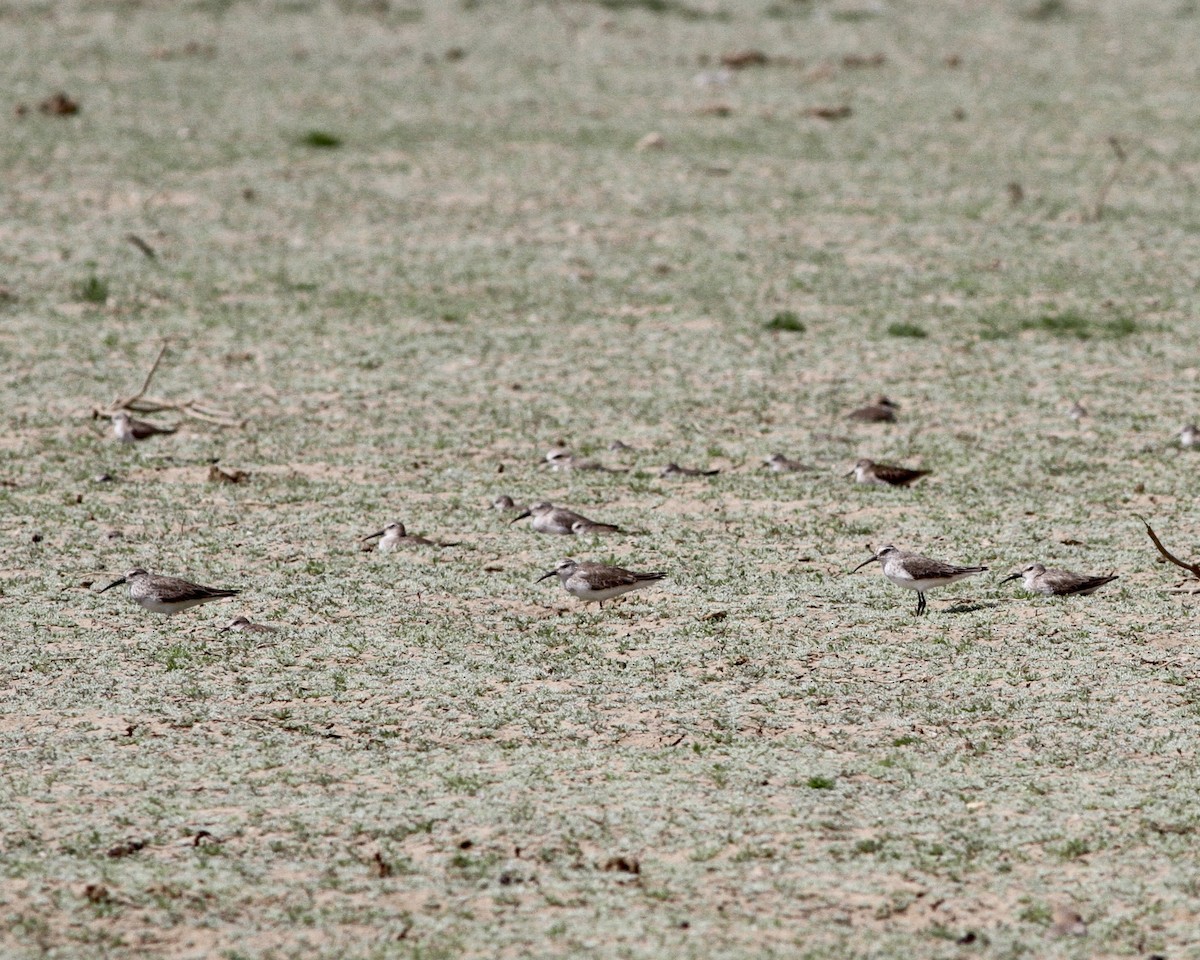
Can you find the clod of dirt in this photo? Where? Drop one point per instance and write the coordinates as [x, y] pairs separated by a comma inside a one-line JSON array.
[[221, 475], [621, 864], [125, 849], [652, 141], [741, 59], [830, 113], [380, 867], [1067, 922], [97, 893], [59, 105], [715, 110]]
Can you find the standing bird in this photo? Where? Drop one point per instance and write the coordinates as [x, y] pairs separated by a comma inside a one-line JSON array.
[[395, 536], [675, 470], [914, 572], [1189, 436], [868, 471], [167, 595], [882, 410], [128, 430], [547, 518], [598, 581], [1058, 583]]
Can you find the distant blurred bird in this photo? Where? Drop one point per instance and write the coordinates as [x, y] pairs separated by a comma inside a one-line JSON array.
[[547, 518], [394, 536], [882, 410], [1189, 436], [868, 471], [675, 470], [128, 430], [560, 458], [778, 463], [1077, 411]]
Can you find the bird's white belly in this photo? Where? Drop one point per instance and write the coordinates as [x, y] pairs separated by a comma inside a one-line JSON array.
[[584, 591]]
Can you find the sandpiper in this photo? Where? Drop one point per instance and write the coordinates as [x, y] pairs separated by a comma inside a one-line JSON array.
[[1189, 436], [505, 503], [914, 572], [1058, 583], [560, 458], [868, 471], [619, 446], [1077, 411], [598, 581], [128, 430], [882, 410], [245, 625], [675, 470], [395, 536], [167, 595], [778, 463], [586, 528], [547, 518]]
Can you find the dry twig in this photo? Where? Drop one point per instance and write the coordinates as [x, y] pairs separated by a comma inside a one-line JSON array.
[[140, 403], [1192, 568]]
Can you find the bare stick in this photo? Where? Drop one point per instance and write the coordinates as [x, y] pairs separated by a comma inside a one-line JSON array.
[[1106, 185], [1192, 568], [145, 383]]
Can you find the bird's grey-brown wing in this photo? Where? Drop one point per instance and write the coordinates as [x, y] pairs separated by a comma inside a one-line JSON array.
[[872, 414], [141, 429], [176, 589], [1064, 582], [925, 568], [898, 476], [600, 576]]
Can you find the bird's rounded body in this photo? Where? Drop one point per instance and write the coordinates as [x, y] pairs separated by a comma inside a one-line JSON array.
[[778, 463], [885, 474], [128, 430], [394, 536], [597, 582], [882, 410], [549, 519], [167, 595], [1053, 582]]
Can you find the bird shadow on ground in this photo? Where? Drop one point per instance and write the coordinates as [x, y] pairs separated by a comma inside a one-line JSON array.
[[971, 606]]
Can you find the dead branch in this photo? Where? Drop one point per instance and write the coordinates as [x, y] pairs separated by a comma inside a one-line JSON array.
[[125, 402], [195, 409], [1192, 568]]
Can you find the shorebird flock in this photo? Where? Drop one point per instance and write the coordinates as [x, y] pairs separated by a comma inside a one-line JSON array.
[[598, 582]]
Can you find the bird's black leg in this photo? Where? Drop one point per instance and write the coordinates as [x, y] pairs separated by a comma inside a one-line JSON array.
[[920, 603]]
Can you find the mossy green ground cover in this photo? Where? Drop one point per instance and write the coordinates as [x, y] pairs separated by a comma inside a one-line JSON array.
[[414, 244]]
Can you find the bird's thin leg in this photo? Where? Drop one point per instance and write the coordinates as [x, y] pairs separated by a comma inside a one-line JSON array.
[[920, 603]]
